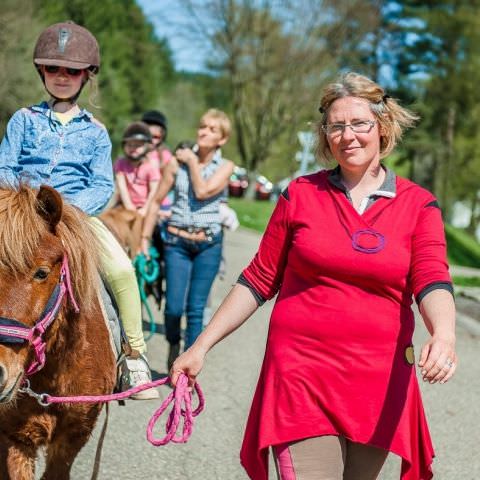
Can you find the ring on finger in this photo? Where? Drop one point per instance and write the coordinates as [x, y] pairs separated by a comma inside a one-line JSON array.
[[448, 364]]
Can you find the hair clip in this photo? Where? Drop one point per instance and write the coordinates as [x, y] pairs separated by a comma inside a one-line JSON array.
[[384, 98], [321, 109]]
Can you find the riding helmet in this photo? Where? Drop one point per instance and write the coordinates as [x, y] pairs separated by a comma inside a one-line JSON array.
[[154, 117], [137, 131], [69, 45]]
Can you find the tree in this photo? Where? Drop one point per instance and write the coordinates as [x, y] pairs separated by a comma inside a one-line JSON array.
[[275, 57], [19, 82], [442, 55]]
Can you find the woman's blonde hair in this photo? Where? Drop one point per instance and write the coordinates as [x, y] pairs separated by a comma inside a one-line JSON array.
[[392, 118], [222, 119]]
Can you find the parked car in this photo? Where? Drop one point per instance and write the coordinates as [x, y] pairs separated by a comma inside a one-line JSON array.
[[238, 182], [263, 188]]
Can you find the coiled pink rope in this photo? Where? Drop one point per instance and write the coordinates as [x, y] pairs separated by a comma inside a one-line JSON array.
[[181, 398]]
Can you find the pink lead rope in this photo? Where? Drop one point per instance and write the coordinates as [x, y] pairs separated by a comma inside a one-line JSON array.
[[181, 398]]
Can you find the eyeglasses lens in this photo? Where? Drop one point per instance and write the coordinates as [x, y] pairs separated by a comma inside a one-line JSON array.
[[72, 72], [357, 127]]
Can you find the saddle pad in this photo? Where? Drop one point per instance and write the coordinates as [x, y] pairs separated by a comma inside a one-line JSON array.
[[111, 317]]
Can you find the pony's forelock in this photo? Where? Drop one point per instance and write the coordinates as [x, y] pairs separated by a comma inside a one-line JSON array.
[[22, 230]]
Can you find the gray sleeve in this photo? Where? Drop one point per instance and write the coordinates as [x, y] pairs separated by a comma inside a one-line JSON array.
[[258, 298], [434, 286]]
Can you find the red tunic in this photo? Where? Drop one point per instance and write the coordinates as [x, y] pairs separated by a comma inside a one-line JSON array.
[[335, 356]]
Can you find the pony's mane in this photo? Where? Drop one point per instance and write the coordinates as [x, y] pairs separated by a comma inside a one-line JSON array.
[[22, 229]]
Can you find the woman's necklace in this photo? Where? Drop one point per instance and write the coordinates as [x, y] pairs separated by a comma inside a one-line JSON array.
[[364, 240]]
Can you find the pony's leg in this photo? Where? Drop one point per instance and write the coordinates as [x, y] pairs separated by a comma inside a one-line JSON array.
[[62, 452], [17, 461], [3, 458]]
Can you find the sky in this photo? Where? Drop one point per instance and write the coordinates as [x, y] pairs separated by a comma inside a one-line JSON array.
[[167, 17]]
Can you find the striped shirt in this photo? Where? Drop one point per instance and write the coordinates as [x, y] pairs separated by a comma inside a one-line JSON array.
[[187, 210]]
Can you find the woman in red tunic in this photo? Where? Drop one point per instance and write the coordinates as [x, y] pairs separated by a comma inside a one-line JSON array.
[[346, 250]]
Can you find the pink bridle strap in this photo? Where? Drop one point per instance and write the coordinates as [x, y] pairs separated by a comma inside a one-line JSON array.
[[181, 397], [36, 333], [14, 329], [65, 275]]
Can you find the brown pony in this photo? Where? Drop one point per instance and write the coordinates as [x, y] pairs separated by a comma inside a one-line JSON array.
[[37, 231], [126, 225]]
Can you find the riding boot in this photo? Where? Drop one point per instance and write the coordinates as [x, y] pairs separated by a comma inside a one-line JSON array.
[[173, 352]]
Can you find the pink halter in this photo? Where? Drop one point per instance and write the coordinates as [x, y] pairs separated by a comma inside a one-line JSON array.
[[13, 331]]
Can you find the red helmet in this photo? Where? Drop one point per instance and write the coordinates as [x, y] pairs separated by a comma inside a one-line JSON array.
[[68, 45]]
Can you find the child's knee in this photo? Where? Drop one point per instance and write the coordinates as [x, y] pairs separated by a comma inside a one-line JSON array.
[[120, 270]]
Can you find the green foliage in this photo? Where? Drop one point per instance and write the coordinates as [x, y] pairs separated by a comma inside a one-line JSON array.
[[19, 82], [252, 214], [439, 63], [462, 248], [466, 281]]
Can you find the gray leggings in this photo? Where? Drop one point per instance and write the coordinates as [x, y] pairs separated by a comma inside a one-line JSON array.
[[328, 458]]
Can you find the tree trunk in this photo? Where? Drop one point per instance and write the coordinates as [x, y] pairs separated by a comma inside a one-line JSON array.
[[472, 226], [448, 160]]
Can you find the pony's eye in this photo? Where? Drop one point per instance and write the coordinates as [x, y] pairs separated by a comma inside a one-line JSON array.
[[41, 274]]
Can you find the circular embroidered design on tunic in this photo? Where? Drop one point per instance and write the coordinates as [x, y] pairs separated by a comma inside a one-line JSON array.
[[373, 241], [410, 355]]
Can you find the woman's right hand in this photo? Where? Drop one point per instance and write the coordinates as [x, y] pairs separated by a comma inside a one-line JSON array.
[[185, 155], [190, 363]]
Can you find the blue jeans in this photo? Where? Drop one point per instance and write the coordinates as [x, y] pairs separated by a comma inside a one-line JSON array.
[[190, 269]]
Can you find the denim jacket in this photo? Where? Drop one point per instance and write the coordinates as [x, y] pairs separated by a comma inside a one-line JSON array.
[[74, 158]]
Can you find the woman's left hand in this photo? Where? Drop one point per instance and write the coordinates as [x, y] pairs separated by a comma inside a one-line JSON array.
[[438, 360], [185, 155]]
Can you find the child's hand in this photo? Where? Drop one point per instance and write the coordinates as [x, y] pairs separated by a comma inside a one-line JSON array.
[[142, 211], [144, 246]]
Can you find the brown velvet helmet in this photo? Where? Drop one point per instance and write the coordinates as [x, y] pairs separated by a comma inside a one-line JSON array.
[[67, 45]]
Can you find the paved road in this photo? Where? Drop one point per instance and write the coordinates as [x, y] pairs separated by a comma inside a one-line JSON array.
[[228, 382]]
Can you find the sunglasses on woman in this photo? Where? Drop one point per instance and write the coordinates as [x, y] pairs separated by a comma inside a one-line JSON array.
[[72, 72]]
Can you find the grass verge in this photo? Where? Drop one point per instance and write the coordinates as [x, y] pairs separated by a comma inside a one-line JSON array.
[[252, 214], [466, 281], [462, 248]]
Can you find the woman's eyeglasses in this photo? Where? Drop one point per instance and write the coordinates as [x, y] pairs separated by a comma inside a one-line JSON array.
[[72, 72], [337, 129]]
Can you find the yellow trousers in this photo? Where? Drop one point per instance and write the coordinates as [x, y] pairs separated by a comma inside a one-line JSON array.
[[120, 275]]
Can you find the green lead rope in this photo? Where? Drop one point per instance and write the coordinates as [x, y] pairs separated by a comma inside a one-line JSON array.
[[147, 271]]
